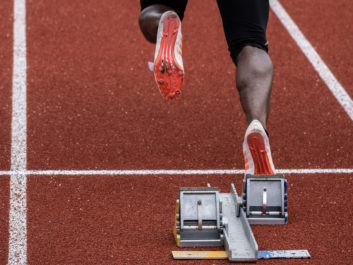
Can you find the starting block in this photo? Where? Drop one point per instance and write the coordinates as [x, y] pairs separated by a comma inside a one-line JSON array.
[[207, 218]]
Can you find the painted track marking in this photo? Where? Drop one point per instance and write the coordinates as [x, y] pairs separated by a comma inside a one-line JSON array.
[[336, 88], [172, 172], [18, 182]]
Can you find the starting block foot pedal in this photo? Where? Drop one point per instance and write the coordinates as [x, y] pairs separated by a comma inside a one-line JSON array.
[[264, 199]]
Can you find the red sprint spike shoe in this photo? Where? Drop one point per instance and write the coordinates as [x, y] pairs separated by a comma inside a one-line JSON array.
[[168, 62], [257, 153]]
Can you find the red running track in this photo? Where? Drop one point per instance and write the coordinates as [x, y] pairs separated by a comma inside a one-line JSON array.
[[129, 219], [93, 104], [4, 217], [6, 46], [88, 110], [330, 33]]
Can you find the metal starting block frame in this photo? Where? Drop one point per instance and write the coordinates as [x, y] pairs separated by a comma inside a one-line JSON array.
[[207, 218]]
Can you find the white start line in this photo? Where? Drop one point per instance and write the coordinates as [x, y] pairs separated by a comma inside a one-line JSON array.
[[171, 172], [18, 184]]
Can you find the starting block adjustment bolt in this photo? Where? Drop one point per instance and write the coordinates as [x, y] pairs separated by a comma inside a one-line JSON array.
[[264, 201], [199, 214]]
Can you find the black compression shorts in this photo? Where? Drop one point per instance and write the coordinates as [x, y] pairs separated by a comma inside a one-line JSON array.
[[244, 21], [178, 6]]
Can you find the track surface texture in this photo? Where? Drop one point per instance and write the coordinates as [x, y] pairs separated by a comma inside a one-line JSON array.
[[6, 46], [4, 217], [92, 104], [330, 33], [93, 219]]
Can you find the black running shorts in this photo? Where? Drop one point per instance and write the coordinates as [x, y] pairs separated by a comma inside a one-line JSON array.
[[244, 21], [178, 6]]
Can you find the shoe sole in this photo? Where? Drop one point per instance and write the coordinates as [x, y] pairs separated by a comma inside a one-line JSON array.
[[256, 144], [169, 75]]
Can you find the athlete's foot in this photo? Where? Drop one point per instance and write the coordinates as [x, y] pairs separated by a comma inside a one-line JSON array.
[[168, 62], [257, 153]]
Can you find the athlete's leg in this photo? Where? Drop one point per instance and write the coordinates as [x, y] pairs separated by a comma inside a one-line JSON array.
[[254, 82], [149, 20], [245, 24]]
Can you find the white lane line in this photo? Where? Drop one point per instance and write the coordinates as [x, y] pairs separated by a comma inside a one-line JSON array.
[[18, 183], [336, 88], [171, 172], [19, 90]]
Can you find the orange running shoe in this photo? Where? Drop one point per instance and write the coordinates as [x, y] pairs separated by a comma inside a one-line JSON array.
[[257, 153], [168, 61]]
